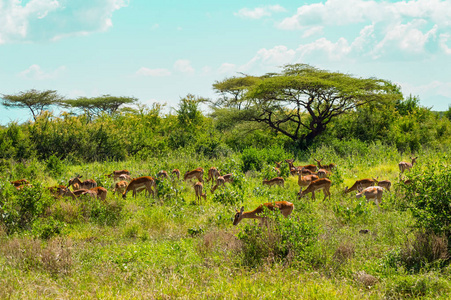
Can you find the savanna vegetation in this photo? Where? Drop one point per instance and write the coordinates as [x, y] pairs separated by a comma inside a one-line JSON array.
[[170, 246]]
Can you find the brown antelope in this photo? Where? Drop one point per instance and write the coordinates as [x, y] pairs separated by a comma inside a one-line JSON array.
[[116, 174], [328, 167], [317, 185], [322, 173], [77, 184], [277, 168], [162, 174], [228, 178], [304, 181], [19, 182], [362, 182], [20, 187], [220, 181], [371, 193], [383, 183], [406, 166], [99, 192], [176, 172], [125, 177], [196, 173], [213, 174], [60, 190], [139, 184], [294, 170], [275, 181], [120, 187], [285, 207], [198, 188]]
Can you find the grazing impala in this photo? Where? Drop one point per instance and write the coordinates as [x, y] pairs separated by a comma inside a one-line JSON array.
[[139, 184], [328, 167], [162, 174], [362, 182], [176, 172], [304, 181], [285, 207], [371, 193], [275, 181], [220, 181], [198, 188], [213, 174], [120, 187], [406, 166], [116, 174], [277, 168], [99, 192], [317, 185], [77, 184], [196, 173], [19, 182], [383, 183], [228, 178]]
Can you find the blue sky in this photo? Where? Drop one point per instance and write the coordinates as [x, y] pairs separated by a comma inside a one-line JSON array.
[[160, 51]]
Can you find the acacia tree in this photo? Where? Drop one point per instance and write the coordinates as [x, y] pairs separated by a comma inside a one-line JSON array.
[[95, 106], [300, 101], [37, 102]]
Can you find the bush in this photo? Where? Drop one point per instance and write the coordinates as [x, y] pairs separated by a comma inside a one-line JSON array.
[[256, 159], [281, 240]]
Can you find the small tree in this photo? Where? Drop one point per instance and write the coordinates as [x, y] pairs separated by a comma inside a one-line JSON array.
[[97, 105], [37, 102], [301, 101]]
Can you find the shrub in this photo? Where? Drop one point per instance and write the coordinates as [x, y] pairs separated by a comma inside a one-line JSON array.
[[285, 240], [227, 196]]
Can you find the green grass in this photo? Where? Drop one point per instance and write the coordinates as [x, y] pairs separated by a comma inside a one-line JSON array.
[[168, 247]]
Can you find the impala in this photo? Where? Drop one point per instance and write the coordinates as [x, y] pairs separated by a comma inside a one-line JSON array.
[[328, 167], [196, 173], [228, 178], [371, 193], [87, 184], [139, 184], [198, 188], [322, 173], [60, 190], [116, 174], [294, 170], [125, 177], [19, 182], [120, 187], [213, 174], [285, 207], [362, 182], [162, 174], [317, 185], [406, 166], [99, 192], [220, 181], [383, 183], [275, 181], [176, 172], [277, 168], [306, 180]]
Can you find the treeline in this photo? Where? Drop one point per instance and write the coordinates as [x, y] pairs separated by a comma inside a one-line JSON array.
[[147, 131]]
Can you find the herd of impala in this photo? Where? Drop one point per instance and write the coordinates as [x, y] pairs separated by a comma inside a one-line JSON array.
[[313, 177]]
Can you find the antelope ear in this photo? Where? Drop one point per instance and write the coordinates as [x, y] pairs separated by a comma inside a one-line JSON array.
[[242, 209]]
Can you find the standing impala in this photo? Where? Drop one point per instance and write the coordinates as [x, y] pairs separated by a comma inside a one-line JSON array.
[[371, 193], [220, 181], [99, 192], [213, 174], [77, 184], [196, 173], [386, 184], [275, 181], [198, 188], [139, 184], [304, 181], [285, 207], [317, 185], [362, 182], [116, 174], [406, 166], [328, 167]]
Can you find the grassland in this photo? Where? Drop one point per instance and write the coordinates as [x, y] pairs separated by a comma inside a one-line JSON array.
[[171, 248]]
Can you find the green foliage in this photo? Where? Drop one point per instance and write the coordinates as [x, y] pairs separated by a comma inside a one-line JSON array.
[[429, 198], [256, 159], [54, 165], [351, 214], [279, 239], [227, 196]]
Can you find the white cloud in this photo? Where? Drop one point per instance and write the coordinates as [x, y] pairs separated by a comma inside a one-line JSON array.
[[275, 57], [227, 68], [259, 12], [35, 72], [314, 30], [44, 20], [184, 66], [443, 42], [153, 72]]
